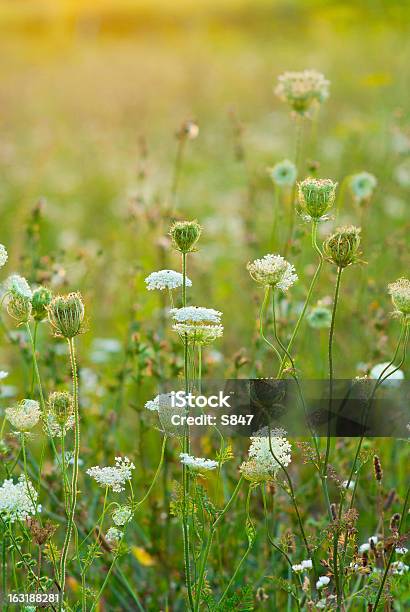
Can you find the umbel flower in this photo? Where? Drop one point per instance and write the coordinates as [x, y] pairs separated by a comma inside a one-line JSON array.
[[18, 500], [400, 295], [25, 415], [122, 515], [164, 405], [166, 279], [184, 235], [273, 271], [316, 197], [267, 452], [3, 255], [39, 302], [66, 315], [113, 535], [284, 173], [342, 247], [113, 477], [302, 90], [197, 464], [362, 186], [198, 324], [60, 416], [18, 285], [19, 302], [199, 334]]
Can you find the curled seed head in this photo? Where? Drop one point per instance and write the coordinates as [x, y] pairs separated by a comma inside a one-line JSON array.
[[61, 405], [184, 235], [316, 196], [40, 300], [395, 521], [19, 308], [66, 315], [378, 472], [342, 247]]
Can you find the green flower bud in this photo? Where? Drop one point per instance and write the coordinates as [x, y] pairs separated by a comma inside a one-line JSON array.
[[66, 315], [40, 300], [19, 308], [184, 235], [316, 196], [342, 247]]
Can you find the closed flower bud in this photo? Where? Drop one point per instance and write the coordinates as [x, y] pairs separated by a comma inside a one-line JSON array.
[[61, 406], [40, 300], [316, 197], [184, 235], [342, 247], [66, 315]]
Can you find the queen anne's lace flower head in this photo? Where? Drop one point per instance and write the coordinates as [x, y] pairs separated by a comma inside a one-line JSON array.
[[18, 500], [60, 416], [322, 582], [113, 535], [400, 295], [199, 334], [25, 415], [66, 315], [166, 279], [198, 463], [196, 315], [316, 197], [164, 405], [273, 271], [302, 90], [342, 247], [18, 286], [113, 477], [284, 173], [3, 255], [122, 515], [269, 450], [362, 185]]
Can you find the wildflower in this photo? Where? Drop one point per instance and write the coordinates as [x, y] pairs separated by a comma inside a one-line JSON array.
[[25, 415], [298, 568], [387, 370], [302, 90], [166, 279], [267, 453], [39, 302], [122, 515], [18, 501], [400, 295], [342, 247], [348, 485], [113, 477], [189, 129], [284, 173], [273, 271], [402, 550], [304, 565], [398, 567], [196, 315], [319, 317], [184, 235], [322, 582], [18, 286], [316, 197], [164, 405], [66, 315], [199, 334], [198, 463], [371, 543], [362, 185], [113, 535], [60, 417], [3, 255], [307, 564]]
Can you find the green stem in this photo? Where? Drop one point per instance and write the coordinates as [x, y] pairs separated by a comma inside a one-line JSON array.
[[70, 522], [157, 473], [309, 295], [261, 316], [33, 374]]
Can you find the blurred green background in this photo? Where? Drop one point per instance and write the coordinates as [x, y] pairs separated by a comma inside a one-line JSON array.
[[91, 97]]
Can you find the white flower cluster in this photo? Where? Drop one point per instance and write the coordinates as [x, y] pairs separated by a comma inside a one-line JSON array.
[[122, 515], [18, 501], [398, 567], [365, 547], [113, 535], [3, 255], [284, 173], [301, 567], [273, 271], [24, 415], [198, 463], [196, 315], [113, 477], [301, 90], [267, 452], [19, 286], [161, 400], [322, 582], [362, 185], [166, 279]]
